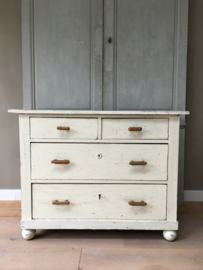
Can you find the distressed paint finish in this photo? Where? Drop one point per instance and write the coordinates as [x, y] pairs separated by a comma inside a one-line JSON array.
[[115, 114], [150, 129], [173, 168], [99, 202], [149, 54], [90, 162], [66, 49], [46, 128], [113, 165], [24, 132], [62, 54], [102, 224], [143, 45], [145, 32]]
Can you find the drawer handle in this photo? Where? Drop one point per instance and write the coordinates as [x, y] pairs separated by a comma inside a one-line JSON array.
[[135, 129], [142, 203], [63, 128], [56, 202], [134, 163], [56, 161]]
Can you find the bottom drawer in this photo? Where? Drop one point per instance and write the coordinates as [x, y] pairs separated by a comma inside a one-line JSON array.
[[99, 201]]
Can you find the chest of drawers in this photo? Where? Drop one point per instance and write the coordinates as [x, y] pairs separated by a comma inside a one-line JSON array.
[[99, 170]]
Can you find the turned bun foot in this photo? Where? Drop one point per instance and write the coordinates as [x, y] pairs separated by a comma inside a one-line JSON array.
[[28, 234], [170, 235]]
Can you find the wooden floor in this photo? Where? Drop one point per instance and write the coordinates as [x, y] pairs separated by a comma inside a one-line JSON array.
[[102, 250]]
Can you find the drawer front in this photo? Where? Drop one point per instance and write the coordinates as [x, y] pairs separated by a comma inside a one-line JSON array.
[[63, 128], [135, 129], [98, 161], [92, 201]]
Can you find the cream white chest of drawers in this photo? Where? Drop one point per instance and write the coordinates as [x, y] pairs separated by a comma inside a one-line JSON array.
[[99, 170]]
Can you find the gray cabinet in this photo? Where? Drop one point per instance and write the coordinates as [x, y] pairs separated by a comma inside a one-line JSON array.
[[105, 55]]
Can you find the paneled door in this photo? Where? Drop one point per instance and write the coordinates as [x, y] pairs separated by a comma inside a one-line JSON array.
[[145, 45], [141, 66], [62, 42], [106, 55]]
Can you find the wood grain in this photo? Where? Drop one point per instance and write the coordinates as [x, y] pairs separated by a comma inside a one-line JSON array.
[[10, 208]]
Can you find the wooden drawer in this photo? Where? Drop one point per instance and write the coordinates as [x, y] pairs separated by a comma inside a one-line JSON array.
[[149, 129], [98, 161], [95, 201], [46, 128]]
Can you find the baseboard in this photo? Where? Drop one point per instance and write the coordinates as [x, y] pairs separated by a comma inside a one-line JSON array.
[[10, 194], [193, 195], [15, 194]]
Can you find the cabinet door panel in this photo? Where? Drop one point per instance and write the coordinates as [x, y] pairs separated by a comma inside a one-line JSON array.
[[144, 54], [68, 54]]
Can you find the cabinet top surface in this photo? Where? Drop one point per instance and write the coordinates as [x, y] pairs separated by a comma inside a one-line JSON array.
[[77, 112]]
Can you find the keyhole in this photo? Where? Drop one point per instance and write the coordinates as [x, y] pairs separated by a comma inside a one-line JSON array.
[[99, 196], [110, 40], [99, 156]]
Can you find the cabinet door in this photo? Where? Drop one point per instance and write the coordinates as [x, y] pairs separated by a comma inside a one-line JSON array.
[[66, 44], [142, 62]]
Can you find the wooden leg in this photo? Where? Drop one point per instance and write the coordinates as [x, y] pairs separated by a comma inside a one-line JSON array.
[[170, 235], [28, 234]]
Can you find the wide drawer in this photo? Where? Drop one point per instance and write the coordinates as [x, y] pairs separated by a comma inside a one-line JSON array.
[[135, 129], [98, 161], [94, 201], [63, 128]]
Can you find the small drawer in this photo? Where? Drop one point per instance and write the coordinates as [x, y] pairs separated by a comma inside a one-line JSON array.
[[94, 201], [143, 162], [135, 129], [63, 128]]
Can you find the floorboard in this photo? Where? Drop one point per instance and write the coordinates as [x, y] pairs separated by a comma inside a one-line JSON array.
[[104, 250]]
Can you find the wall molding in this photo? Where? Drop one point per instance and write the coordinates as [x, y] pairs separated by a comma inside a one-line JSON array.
[[15, 195]]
